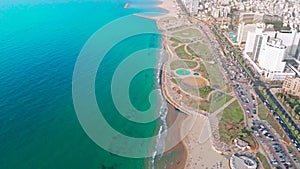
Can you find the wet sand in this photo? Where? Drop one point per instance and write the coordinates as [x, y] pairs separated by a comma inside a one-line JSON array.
[[176, 157]]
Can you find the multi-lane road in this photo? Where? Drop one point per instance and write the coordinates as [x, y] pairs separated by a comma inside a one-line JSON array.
[[256, 84], [241, 77], [282, 123]]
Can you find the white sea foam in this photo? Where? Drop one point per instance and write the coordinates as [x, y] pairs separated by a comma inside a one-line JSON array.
[[163, 128]]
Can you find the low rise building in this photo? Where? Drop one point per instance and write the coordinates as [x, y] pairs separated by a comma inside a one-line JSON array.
[[242, 162], [241, 144]]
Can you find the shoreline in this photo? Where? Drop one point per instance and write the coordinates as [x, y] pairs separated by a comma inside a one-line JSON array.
[[179, 153], [181, 162], [199, 140]]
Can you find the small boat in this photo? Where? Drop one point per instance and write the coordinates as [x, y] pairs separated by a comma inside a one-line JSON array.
[[126, 5]]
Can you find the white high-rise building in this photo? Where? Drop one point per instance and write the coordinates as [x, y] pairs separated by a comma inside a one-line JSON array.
[[271, 56], [291, 40], [266, 52], [255, 39]]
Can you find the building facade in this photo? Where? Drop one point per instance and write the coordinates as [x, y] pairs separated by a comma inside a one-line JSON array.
[[267, 52], [291, 86], [271, 53], [247, 22], [242, 162]]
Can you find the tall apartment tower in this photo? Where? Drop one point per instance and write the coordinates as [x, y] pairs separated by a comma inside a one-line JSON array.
[[267, 53], [272, 54], [291, 39]]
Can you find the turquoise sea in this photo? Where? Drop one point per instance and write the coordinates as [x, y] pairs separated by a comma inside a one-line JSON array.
[[40, 41]]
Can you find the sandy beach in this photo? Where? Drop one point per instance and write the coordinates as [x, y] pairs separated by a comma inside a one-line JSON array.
[[199, 146]]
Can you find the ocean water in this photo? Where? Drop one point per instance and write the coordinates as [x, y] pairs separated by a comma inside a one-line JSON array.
[[39, 44]]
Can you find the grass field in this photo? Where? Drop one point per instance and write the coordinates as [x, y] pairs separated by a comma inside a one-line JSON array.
[[189, 33], [204, 91], [176, 40], [180, 51], [214, 73], [196, 91], [201, 50], [176, 80], [217, 100], [202, 70], [231, 123], [183, 64], [192, 51], [204, 105], [265, 114], [233, 113], [263, 160]]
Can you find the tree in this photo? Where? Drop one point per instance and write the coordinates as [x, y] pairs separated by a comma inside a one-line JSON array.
[[297, 117], [293, 113], [293, 128], [279, 96], [288, 107]]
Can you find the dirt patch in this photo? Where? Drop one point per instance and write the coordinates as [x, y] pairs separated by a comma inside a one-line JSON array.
[[195, 81]]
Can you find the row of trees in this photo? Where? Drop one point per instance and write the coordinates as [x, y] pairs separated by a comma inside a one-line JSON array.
[[291, 103], [283, 116]]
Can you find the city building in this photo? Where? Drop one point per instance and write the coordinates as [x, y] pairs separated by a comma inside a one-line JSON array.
[[267, 53], [247, 23], [291, 39], [192, 6], [291, 86], [241, 144], [271, 54], [242, 162], [220, 12]]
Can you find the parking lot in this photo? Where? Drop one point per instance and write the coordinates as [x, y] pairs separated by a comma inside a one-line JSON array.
[[279, 156]]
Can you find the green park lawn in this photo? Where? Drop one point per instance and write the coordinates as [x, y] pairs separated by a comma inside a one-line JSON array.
[[181, 53], [185, 64], [263, 160], [231, 124]]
